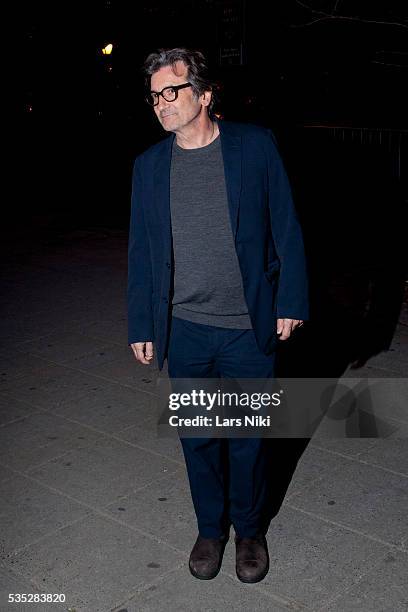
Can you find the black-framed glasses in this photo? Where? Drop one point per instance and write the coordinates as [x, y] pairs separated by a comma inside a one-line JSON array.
[[168, 93]]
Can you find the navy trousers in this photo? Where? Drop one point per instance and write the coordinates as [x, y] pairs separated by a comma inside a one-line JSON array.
[[227, 476]]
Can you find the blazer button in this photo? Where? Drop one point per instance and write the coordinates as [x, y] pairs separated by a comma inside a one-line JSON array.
[[167, 264]]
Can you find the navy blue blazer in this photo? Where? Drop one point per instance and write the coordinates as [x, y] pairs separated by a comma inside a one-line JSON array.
[[268, 237]]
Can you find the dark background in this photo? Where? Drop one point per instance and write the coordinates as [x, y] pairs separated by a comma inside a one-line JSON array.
[[83, 113], [329, 77]]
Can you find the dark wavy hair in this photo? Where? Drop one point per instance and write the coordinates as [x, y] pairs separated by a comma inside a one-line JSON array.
[[197, 70]]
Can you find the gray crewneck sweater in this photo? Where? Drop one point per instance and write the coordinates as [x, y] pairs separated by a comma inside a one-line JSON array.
[[208, 283]]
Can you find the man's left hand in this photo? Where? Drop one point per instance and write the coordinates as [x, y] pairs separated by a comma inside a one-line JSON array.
[[285, 327]]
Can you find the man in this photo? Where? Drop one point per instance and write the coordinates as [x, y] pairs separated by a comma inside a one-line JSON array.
[[216, 276]]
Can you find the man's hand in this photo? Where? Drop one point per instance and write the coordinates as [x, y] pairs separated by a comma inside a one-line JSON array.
[[285, 327], [143, 351]]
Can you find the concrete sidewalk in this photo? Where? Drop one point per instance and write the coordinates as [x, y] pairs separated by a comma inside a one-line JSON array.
[[96, 507]]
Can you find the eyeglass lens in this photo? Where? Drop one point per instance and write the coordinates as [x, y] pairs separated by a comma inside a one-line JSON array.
[[168, 94]]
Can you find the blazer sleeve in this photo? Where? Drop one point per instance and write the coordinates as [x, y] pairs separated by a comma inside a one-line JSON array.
[[293, 292], [139, 289]]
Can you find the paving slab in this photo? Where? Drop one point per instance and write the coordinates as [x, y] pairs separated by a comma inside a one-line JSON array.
[[312, 466], [360, 424], [40, 437], [311, 560], [12, 409], [49, 385], [363, 498], [30, 511], [12, 584], [401, 431], [396, 357], [392, 455], [371, 371], [180, 591], [111, 329], [6, 473], [146, 435], [70, 348], [390, 399], [95, 562], [164, 509], [110, 408], [349, 447], [23, 310], [27, 326], [126, 370], [103, 471], [384, 589], [14, 364]]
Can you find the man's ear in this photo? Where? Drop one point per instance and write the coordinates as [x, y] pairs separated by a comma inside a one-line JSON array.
[[206, 98]]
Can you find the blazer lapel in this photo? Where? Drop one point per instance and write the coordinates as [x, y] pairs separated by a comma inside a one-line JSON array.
[[161, 184], [232, 156]]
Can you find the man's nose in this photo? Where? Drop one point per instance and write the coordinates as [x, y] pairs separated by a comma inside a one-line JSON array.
[[163, 104]]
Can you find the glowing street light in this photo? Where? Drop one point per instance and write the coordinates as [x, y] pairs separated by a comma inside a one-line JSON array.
[[108, 49]]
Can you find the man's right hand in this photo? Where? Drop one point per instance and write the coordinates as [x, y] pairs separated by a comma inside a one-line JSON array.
[[143, 351]]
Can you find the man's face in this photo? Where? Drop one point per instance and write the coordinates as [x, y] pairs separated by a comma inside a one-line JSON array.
[[177, 114]]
